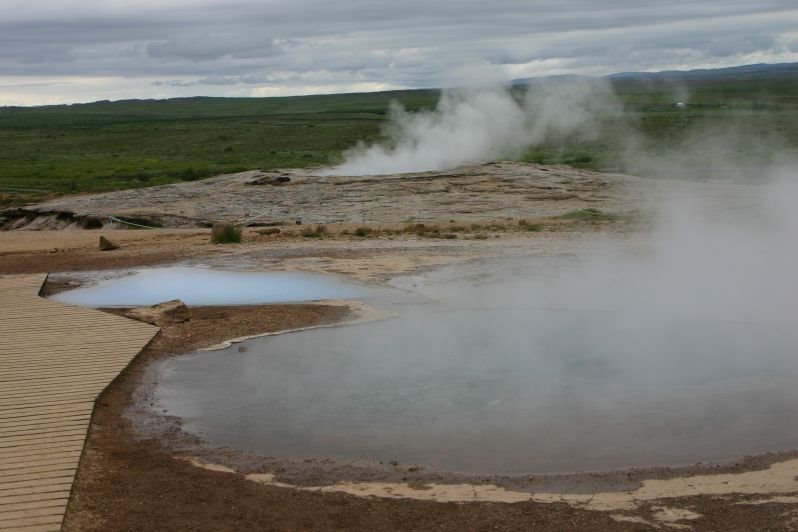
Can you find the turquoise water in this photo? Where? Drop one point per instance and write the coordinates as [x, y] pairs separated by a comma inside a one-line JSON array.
[[199, 286]]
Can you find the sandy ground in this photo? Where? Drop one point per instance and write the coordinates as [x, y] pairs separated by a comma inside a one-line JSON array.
[[128, 481]]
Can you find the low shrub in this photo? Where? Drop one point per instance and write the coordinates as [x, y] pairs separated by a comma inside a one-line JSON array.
[[222, 233], [314, 232], [590, 213], [528, 226], [363, 231]]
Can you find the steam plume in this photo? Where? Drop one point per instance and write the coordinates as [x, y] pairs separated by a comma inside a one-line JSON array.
[[476, 125]]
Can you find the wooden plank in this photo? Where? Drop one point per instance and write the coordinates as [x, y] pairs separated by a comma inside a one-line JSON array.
[[17, 424], [56, 510], [40, 528], [45, 360], [46, 366], [37, 372], [22, 486], [41, 363], [35, 430], [52, 383], [10, 440], [16, 524], [58, 459], [44, 428], [24, 326], [73, 337], [43, 450], [33, 498], [12, 479], [9, 508], [40, 397], [26, 410], [34, 357], [39, 467], [59, 437], [64, 484], [63, 348], [46, 420]]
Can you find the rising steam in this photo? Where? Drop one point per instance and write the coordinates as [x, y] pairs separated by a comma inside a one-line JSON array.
[[477, 125]]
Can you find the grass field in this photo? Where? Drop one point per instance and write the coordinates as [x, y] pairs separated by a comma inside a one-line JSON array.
[[53, 150]]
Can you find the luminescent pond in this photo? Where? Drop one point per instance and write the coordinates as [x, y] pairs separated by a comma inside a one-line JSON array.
[[506, 385], [199, 286]]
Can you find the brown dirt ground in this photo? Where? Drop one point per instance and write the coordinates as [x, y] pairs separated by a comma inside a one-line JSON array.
[[53, 251], [388, 250]]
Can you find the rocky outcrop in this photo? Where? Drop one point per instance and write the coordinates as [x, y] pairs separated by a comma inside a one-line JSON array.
[[476, 192], [167, 313], [273, 180], [107, 245], [35, 218]]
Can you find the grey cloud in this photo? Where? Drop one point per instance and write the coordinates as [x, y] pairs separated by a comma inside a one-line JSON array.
[[174, 83], [246, 43], [217, 80], [209, 47]]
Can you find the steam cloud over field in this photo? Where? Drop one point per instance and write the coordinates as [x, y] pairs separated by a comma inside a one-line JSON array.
[[480, 124]]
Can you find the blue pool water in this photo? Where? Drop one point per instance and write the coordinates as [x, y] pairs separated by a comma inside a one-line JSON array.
[[199, 286]]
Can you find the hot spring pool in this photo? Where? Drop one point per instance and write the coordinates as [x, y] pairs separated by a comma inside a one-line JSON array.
[[505, 385], [199, 286]]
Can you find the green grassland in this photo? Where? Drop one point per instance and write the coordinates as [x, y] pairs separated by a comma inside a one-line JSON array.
[[53, 150]]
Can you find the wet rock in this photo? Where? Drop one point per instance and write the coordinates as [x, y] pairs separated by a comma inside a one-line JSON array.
[[107, 245], [167, 313], [274, 180]]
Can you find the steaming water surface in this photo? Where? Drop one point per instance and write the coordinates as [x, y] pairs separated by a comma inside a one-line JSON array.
[[513, 384], [199, 286]]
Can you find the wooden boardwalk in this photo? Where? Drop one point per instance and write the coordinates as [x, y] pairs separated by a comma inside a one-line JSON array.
[[55, 359]]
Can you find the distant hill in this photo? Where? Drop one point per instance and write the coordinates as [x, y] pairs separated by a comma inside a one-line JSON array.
[[738, 73], [561, 78]]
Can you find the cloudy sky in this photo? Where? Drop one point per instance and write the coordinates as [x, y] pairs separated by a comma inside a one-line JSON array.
[[60, 51]]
